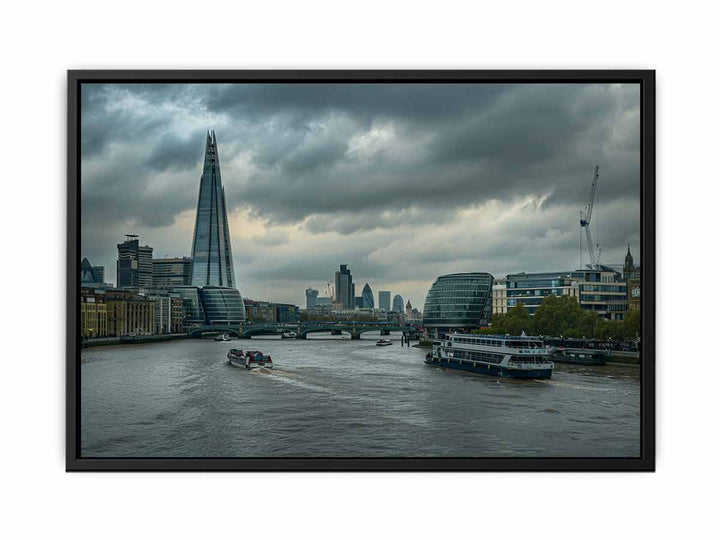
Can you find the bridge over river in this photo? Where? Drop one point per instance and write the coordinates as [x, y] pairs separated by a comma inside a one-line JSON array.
[[302, 329]]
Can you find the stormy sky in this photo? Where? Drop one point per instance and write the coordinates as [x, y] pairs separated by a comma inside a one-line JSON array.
[[403, 182]]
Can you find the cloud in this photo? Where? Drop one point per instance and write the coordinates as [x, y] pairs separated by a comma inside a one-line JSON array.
[[402, 181]]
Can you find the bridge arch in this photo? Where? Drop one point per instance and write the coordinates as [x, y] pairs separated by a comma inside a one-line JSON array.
[[316, 329], [198, 331]]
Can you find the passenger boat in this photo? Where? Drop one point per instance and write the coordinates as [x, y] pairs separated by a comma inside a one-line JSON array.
[[383, 342], [520, 357], [222, 337], [288, 335], [587, 357], [249, 359]]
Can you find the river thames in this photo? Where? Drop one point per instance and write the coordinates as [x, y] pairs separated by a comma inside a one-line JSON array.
[[336, 397]]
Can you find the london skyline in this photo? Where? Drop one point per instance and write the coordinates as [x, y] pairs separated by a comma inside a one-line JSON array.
[[401, 182]]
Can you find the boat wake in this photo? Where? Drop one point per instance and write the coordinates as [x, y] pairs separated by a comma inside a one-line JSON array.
[[290, 378]]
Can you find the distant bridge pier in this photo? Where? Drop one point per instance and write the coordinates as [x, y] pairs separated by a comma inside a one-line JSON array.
[[384, 332]]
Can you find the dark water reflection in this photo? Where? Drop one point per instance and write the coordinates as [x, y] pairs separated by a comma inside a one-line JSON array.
[[337, 397]]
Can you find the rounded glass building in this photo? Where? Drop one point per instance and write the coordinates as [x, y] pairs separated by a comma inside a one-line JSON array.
[[222, 306], [459, 301]]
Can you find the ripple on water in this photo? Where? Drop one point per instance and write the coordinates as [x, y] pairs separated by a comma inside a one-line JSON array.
[[341, 398]]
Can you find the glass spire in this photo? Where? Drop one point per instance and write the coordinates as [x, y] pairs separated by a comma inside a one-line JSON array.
[[211, 251]]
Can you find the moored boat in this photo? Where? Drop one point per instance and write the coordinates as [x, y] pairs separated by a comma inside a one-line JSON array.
[[222, 337], [288, 335], [383, 342], [586, 357], [520, 357], [249, 359]]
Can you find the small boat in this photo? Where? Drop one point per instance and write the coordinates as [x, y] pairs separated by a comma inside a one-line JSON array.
[[383, 342], [249, 359], [222, 337], [288, 335], [586, 357]]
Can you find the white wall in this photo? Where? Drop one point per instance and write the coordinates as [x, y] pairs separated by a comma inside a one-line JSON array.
[[39, 42]]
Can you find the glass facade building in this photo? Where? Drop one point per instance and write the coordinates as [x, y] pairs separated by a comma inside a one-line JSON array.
[[222, 305], [384, 300], [90, 274], [134, 264], [311, 296], [344, 287], [397, 305], [193, 312], [368, 300], [175, 272], [211, 251], [459, 301], [599, 290]]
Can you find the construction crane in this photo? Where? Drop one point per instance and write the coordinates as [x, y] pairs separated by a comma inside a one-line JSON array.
[[594, 259]]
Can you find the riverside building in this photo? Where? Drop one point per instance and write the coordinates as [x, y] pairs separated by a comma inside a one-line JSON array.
[[171, 272], [458, 302], [499, 296], [93, 314], [601, 291], [129, 314]]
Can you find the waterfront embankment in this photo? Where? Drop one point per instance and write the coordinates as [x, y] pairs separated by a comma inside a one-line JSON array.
[[130, 340]]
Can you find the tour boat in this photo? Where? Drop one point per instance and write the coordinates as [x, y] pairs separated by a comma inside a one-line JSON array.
[[288, 335], [383, 342], [505, 356], [249, 359], [222, 337]]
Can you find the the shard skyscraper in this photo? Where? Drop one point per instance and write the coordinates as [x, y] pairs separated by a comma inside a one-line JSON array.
[[211, 251], [212, 299]]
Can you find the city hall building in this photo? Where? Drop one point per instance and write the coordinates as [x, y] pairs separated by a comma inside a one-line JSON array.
[[458, 302]]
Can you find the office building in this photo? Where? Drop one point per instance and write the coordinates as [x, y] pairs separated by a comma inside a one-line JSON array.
[[93, 314], [193, 313], [384, 300], [211, 250], [311, 296], [397, 305], [259, 312], [212, 263], [91, 276], [499, 296], [601, 291], [459, 301], [368, 300], [134, 264], [344, 288], [172, 272], [167, 313], [531, 289], [129, 314]]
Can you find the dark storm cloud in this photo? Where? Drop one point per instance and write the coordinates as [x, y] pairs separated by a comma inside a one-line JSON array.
[[353, 159], [176, 152]]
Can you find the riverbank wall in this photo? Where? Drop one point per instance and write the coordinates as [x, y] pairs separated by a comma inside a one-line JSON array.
[[130, 340]]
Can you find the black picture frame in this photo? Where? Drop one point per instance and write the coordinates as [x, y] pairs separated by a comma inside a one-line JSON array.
[[646, 461]]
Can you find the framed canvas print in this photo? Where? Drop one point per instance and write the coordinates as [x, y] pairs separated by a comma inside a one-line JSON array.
[[361, 270]]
